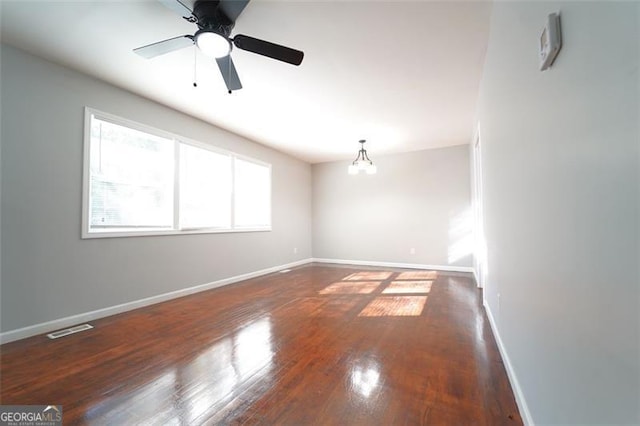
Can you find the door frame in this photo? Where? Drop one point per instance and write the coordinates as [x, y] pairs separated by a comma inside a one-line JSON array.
[[479, 252]]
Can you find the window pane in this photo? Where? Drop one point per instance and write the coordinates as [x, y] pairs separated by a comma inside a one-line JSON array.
[[205, 188], [131, 178], [252, 194]]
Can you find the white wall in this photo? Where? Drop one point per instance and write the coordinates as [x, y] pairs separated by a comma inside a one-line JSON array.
[[416, 200], [48, 271], [561, 195]]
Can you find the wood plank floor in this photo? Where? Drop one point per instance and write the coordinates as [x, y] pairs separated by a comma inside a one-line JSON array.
[[321, 344]]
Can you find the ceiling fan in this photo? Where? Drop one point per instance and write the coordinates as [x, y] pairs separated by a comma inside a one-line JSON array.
[[215, 20]]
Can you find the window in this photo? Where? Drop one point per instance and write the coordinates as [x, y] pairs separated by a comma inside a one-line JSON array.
[[131, 178], [142, 181], [205, 188], [252, 194]]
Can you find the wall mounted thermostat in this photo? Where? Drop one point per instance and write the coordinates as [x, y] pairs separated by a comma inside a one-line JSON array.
[[550, 41]]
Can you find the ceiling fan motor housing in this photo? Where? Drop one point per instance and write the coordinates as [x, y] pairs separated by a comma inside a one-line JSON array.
[[212, 18]]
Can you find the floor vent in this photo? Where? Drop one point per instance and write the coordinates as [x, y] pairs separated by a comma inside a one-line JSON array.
[[68, 331], [284, 271]]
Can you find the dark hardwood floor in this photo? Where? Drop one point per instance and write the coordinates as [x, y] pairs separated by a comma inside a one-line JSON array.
[[321, 344]]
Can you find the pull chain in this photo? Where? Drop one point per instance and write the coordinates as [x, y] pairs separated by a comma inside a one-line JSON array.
[[195, 66]]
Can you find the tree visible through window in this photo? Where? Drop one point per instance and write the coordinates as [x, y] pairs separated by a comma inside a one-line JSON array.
[[146, 182], [131, 178]]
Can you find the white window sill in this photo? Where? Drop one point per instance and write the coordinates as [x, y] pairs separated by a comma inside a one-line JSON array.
[[119, 233]]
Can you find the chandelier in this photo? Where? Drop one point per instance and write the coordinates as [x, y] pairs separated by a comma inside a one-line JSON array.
[[362, 162]]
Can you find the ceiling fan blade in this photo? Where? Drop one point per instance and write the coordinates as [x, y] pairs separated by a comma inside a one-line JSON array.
[[165, 46], [229, 73], [233, 8], [271, 50], [178, 6]]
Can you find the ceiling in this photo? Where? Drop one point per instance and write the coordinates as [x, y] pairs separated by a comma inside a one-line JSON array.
[[402, 74]]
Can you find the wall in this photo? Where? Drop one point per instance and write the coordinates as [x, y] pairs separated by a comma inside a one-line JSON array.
[[48, 272], [416, 200], [561, 194]]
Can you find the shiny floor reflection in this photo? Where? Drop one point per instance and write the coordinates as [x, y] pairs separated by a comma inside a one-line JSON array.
[[364, 379], [199, 388], [318, 345]]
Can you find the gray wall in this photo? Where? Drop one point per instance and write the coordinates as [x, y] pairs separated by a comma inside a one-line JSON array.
[[48, 272], [561, 195], [416, 200]]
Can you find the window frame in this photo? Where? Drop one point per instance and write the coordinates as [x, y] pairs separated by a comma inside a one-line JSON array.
[[87, 233]]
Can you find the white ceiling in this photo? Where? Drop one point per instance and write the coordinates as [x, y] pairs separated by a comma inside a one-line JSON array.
[[402, 74]]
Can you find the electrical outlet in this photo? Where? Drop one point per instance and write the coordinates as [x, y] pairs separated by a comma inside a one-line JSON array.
[[295, 250], [412, 250]]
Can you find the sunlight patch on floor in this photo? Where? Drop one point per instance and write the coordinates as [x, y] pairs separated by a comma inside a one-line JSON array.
[[394, 306], [400, 287], [417, 275], [368, 276], [351, 287]]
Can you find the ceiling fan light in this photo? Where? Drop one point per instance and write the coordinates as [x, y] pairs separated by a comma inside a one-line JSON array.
[[212, 44], [372, 169], [353, 169]]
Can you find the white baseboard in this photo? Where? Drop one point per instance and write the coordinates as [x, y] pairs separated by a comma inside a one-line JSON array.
[[396, 265], [515, 385], [45, 327]]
